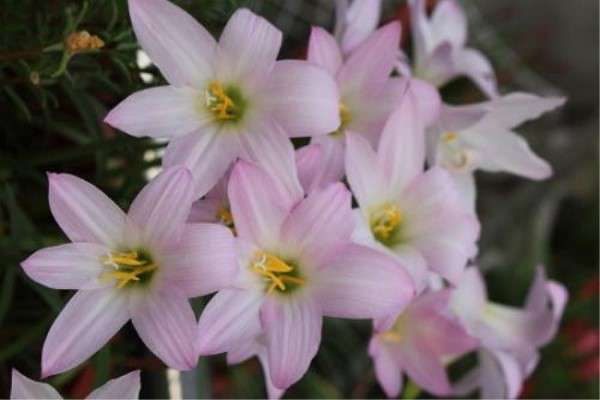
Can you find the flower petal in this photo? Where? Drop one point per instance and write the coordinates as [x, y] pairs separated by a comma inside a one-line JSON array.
[[181, 48], [166, 324], [425, 368], [84, 325], [361, 282], [360, 20], [24, 388], [84, 213], [123, 387], [514, 109], [259, 204], [248, 47], [229, 319], [387, 370], [320, 223], [163, 205], [67, 266], [207, 154], [449, 23], [272, 391], [473, 64], [427, 99], [293, 335], [331, 164], [499, 375], [164, 111], [323, 50], [303, 98], [203, 261]]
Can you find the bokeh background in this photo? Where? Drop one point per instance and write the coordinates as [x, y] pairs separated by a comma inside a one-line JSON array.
[[51, 120]]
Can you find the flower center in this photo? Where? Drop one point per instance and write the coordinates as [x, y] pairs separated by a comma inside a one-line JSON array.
[[226, 218], [345, 118], [454, 156], [385, 223], [128, 268], [279, 275], [225, 103], [394, 334]]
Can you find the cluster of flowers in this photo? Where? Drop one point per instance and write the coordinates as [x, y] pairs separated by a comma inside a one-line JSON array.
[[272, 231]]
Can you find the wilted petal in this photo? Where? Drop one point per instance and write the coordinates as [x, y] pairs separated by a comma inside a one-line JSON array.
[[248, 47], [124, 387], [293, 334], [166, 324], [84, 325], [363, 283], [228, 320], [203, 261], [165, 111], [163, 205], [24, 388], [303, 98], [181, 48], [323, 50], [67, 266], [84, 213]]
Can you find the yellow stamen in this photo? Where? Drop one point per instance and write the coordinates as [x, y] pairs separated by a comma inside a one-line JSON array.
[[78, 42], [391, 336], [385, 221], [226, 218], [126, 267], [217, 101], [344, 119], [449, 137], [275, 270]]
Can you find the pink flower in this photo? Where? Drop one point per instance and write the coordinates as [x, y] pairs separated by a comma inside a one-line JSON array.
[[418, 341], [480, 136], [225, 100], [415, 215], [510, 337], [355, 22], [297, 264], [440, 52], [141, 266], [124, 387]]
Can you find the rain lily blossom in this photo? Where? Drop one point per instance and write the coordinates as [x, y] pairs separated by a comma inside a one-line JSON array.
[[297, 264], [440, 52], [143, 266], [414, 214], [481, 136], [510, 337], [354, 22], [223, 100], [419, 341], [124, 387]]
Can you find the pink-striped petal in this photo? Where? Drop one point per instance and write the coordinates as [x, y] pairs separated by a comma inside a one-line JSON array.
[[324, 51], [259, 204], [303, 98], [163, 205], [166, 324], [248, 47], [230, 319], [124, 387], [293, 335], [84, 325], [331, 164], [84, 213], [24, 388], [425, 368], [165, 111], [361, 282], [387, 368], [203, 261], [181, 48], [67, 266], [427, 99]]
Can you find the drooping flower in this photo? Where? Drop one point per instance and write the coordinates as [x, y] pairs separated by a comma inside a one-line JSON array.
[[142, 266], [124, 387], [414, 214], [510, 337], [418, 342], [480, 136], [297, 264], [225, 100], [440, 52]]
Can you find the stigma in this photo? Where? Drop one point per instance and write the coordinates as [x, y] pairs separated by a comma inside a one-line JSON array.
[[222, 103], [279, 275], [127, 268], [385, 222]]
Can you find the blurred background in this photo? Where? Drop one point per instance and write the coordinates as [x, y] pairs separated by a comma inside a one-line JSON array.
[[51, 111]]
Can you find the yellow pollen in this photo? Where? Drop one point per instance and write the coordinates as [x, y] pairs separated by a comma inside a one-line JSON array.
[[344, 119], [226, 218], [217, 101], [449, 137], [385, 221], [78, 42], [126, 267], [274, 270], [391, 336]]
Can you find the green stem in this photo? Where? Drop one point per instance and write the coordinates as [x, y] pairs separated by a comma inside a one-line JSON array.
[[411, 390]]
